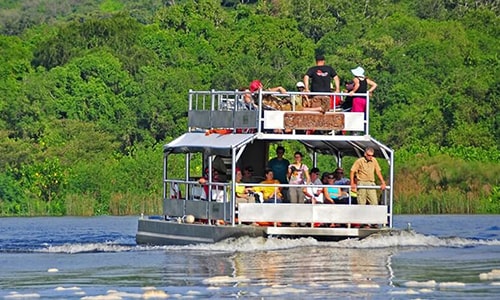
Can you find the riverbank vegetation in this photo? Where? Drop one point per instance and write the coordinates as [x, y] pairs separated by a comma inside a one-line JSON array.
[[91, 90]]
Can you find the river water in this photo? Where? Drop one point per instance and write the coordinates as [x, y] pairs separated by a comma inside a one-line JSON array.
[[451, 256]]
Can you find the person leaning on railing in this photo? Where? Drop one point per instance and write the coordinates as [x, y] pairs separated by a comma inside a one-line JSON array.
[[361, 84], [364, 169]]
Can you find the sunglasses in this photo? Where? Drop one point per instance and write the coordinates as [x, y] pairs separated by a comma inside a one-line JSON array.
[[329, 177]]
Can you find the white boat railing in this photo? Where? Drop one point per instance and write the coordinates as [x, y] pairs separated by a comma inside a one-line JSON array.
[[219, 205], [226, 110]]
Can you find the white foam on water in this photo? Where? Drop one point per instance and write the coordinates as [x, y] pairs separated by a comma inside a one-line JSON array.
[[340, 285], [249, 244], [117, 295], [390, 239], [223, 280], [412, 239], [278, 291], [368, 285], [155, 294], [85, 248], [493, 275], [430, 283], [384, 239], [73, 288], [405, 292], [16, 295], [444, 285], [193, 293]]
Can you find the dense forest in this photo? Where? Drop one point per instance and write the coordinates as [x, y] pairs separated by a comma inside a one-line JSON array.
[[90, 91]]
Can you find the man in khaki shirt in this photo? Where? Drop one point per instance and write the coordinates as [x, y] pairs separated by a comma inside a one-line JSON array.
[[364, 169]]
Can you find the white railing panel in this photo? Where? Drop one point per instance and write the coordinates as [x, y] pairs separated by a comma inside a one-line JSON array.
[[255, 212]]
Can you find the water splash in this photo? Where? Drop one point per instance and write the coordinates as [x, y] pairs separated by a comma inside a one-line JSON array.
[[390, 239]]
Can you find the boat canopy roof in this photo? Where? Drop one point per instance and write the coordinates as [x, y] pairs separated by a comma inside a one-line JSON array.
[[222, 144], [209, 144], [347, 146]]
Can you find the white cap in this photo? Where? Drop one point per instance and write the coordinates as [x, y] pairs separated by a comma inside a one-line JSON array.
[[358, 72], [300, 84]]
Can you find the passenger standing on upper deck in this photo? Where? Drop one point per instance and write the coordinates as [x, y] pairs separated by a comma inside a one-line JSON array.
[[347, 103], [364, 169], [321, 77], [361, 84], [298, 173]]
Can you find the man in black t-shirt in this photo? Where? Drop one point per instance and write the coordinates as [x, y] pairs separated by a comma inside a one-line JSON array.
[[321, 76]]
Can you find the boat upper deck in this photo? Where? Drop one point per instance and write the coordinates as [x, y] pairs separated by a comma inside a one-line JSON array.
[[220, 118], [270, 112]]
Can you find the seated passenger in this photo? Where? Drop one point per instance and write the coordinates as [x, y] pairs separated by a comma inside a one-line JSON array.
[[256, 85], [341, 180], [248, 103], [339, 177], [217, 191], [271, 193], [243, 194], [314, 195], [249, 177], [299, 101], [331, 194]]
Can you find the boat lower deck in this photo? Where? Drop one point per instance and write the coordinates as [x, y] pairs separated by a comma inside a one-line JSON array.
[[157, 231]]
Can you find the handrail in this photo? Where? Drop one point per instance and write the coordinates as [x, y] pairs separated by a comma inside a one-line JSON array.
[[203, 103]]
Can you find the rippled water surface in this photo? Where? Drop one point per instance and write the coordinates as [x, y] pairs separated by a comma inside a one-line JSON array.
[[454, 257]]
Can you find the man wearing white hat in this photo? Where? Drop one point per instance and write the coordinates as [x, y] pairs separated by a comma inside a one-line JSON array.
[[299, 100], [361, 84]]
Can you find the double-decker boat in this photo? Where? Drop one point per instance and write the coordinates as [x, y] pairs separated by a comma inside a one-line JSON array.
[[222, 128]]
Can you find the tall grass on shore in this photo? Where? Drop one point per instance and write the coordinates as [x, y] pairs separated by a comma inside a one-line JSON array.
[[425, 183], [446, 185]]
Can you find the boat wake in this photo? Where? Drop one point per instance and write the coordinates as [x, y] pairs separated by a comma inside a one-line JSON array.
[[389, 239]]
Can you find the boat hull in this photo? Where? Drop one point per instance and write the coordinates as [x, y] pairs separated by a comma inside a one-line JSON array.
[[161, 232]]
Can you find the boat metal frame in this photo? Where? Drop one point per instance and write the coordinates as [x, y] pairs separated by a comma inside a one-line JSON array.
[[219, 126]]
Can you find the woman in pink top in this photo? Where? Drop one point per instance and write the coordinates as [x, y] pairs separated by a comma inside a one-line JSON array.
[[298, 173]]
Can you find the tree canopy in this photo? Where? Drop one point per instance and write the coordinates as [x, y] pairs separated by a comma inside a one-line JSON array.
[[117, 73]]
